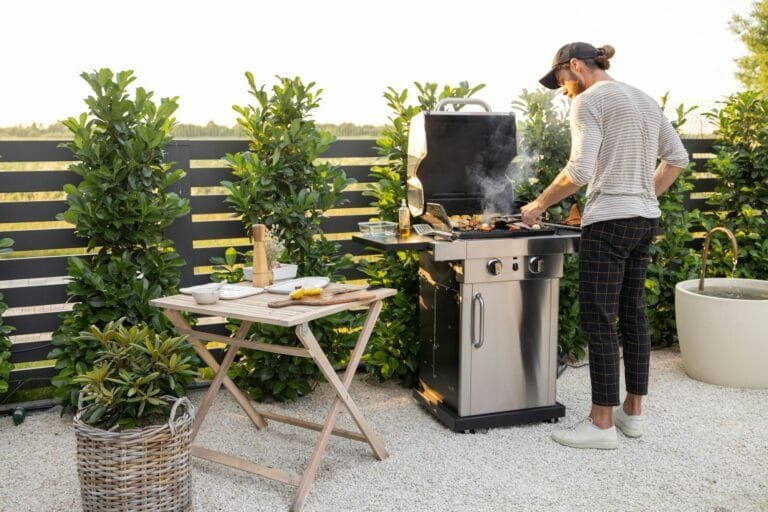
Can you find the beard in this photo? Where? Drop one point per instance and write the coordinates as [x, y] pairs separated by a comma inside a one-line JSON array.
[[573, 85], [574, 88]]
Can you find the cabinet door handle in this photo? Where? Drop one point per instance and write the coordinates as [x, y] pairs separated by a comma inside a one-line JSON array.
[[477, 342]]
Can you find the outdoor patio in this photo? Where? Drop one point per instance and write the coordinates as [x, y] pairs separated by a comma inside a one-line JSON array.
[[97, 228], [704, 450]]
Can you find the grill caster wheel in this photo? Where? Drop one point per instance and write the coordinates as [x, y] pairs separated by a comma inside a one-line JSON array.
[[552, 420], [476, 431]]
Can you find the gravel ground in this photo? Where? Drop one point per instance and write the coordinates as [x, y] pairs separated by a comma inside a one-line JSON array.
[[705, 449]]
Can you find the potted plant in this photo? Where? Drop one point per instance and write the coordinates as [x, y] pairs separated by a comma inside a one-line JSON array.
[[275, 250], [133, 426], [122, 207]]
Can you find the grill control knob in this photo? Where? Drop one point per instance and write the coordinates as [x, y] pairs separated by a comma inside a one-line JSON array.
[[536, 265], [494, 266]]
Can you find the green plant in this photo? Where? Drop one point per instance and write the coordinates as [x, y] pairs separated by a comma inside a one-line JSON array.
[[122, 207], [741, 194], [544, 147], [275, 248], [135, 368], [5, 330], [672, 259], [545, 144], [752, 69], [393, 347], [228, 268], [280, 183]]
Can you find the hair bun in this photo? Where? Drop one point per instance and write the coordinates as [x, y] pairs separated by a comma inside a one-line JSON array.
[[606, 50]]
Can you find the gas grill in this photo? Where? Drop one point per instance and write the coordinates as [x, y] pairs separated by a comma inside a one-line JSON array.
[[488, 298]]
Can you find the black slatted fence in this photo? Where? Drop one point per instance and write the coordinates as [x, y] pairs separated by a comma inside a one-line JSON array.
[[32, 280]]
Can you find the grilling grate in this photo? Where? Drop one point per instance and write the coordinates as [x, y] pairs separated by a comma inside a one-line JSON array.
[[426, 229]]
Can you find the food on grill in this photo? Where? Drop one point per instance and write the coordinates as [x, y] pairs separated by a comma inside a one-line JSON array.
[[480, 225], [461, 221], [486, 223], [574, 217]]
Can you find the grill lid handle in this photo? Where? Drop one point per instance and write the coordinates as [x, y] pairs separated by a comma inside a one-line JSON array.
[[462, 101]]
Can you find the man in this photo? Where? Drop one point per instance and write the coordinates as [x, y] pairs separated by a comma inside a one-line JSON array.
[[617, 135]]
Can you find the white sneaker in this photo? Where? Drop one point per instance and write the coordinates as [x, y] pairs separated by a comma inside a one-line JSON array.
[[586, 435], [631, 426]]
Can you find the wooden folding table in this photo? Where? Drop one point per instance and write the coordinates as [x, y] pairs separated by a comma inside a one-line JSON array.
[[254, 309]]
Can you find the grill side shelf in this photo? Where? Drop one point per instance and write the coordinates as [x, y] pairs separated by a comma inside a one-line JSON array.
[[395, 243]]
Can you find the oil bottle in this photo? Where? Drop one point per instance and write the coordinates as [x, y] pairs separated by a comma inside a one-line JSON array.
[[404, 220]]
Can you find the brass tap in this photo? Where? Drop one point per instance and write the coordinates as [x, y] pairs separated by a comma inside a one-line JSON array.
[[706, 251]]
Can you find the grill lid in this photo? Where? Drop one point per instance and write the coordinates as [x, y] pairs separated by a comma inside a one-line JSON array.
[[461, 159]]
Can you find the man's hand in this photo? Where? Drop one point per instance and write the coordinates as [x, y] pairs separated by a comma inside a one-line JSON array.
[[560, 188], [531, 213]]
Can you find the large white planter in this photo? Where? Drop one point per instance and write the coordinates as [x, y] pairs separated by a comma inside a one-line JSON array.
[[723, 341]]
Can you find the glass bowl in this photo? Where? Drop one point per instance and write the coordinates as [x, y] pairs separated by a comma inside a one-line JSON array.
[[378, 228]]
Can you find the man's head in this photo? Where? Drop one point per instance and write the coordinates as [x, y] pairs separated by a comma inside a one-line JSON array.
[[575, 65]]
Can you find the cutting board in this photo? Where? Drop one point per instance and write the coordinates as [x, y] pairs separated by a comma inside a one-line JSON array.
[[324, 300]]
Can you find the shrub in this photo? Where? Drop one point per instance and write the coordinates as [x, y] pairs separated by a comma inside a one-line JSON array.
[[5, 330], [545, 145], [394, 345], [741, 195], [135, 368], [544, 151], [121, 206], [672, 259], [280, 183]]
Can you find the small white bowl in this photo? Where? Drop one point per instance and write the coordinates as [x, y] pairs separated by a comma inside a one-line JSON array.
[[208, 295]]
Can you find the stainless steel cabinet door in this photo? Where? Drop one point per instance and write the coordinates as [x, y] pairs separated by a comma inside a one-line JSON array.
[[511, 344]]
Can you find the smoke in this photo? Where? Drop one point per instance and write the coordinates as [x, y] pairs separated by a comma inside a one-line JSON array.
[[495, 176], [498, 192]]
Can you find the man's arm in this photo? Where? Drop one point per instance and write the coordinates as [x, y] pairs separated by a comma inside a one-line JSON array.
[[665, 176], [560, 188], [673, 156]]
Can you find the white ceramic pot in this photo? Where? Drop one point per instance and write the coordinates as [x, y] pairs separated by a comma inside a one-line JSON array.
[[280, 272], [724, 340], [284, 271]]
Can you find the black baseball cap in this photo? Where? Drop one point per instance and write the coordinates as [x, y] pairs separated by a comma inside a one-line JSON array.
[[570, 51]]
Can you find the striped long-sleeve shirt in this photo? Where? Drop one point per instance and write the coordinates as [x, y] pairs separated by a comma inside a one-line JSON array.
[[618, 132]]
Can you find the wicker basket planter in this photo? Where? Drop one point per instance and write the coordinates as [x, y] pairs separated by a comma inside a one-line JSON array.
[[145, 469]]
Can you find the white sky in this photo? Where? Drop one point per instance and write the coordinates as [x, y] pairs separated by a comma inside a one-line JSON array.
[[199, 51]]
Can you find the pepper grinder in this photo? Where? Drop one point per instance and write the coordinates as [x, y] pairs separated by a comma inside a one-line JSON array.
[[262, 275]]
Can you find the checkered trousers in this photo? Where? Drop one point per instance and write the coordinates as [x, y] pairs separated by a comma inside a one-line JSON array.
[[613, 260]]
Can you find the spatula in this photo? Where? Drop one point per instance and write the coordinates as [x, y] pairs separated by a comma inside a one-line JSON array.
[[426, 229]]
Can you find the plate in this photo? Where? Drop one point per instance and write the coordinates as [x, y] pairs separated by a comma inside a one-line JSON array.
[[306, 282], [228, 291]]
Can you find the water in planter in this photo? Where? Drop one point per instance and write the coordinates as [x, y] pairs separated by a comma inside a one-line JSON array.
[[728, 292]]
